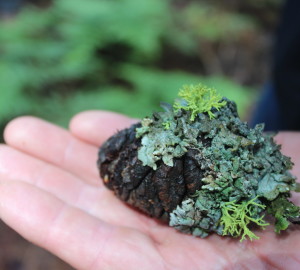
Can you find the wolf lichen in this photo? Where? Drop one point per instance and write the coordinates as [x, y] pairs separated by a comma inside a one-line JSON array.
[[236, 218], [198, 166], [199, 99]]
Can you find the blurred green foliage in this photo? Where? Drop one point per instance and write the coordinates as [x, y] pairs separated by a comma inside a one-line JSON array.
[[99, 54], [214, 23]]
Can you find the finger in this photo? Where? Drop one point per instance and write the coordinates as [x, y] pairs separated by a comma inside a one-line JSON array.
[[76, 237], [96, 126], [97, 201], [16, 165], [290, 142], [53, 144]]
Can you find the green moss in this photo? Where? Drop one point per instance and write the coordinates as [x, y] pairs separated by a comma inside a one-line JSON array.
[[199, 99], [236, 218]]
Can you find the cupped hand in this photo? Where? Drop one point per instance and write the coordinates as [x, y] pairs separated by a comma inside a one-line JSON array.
[[51, 193]]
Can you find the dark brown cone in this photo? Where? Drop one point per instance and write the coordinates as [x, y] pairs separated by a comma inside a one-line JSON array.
[[154, 192]]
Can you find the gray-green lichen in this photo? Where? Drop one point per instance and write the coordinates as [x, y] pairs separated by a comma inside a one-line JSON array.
[[239, 164], [165, 137]]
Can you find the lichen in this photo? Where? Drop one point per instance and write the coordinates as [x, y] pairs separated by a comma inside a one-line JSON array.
[[168, 134], [198, 215], [237, 165], [244, 163], [271, 185], [283, 210], [166, 125], [161, 139], [199, 99], [236, 218]]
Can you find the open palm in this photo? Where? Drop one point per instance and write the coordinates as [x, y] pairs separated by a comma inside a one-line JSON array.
[[51, 193]]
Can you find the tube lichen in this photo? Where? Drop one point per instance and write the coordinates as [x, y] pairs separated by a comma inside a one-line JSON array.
[[198, 166]]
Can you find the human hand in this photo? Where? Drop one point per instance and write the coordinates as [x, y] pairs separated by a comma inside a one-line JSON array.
[[50, 193]]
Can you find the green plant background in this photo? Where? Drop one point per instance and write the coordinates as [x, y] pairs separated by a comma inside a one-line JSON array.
[[124, 56]]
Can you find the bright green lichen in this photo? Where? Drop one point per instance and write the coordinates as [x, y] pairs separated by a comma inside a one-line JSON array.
[[236, 218], [199, 99], [166, 125]]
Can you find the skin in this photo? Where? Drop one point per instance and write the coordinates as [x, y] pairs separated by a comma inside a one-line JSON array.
[[51, 194]]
